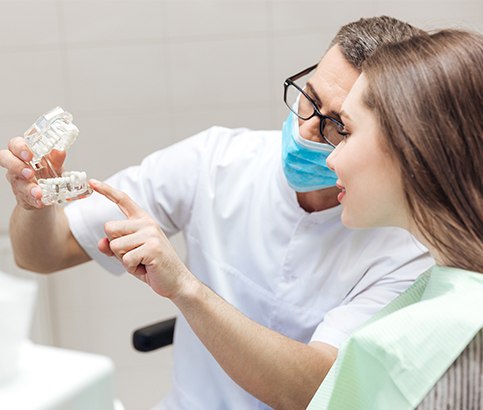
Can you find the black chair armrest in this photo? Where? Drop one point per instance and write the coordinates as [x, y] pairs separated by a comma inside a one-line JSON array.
[[155, 336]]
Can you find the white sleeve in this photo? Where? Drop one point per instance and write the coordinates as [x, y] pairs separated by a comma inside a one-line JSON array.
[[393, 264], [164, 185]]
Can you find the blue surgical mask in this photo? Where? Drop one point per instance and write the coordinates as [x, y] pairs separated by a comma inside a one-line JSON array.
[[304, 161]]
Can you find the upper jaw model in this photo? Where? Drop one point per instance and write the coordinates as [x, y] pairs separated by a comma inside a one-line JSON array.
[[55, 130]]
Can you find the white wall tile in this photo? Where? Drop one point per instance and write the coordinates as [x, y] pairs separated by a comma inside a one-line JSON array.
[[120, 79], [112, 2], [289, 16], [254, 116], [142, 387], [31, 82], [207, 18], [104, 331], [28, 23], [219, 72], [120, 21], [436, 15], [8, 130], [110, 142]]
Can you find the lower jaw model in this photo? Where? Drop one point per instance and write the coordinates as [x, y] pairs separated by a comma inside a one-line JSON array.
[[70, 186], [55, 130]]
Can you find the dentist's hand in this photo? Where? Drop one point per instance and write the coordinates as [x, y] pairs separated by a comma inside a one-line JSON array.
[[142, 247], [20, 174]]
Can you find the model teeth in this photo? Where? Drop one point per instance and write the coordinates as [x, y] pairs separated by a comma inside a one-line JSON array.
[[71, 185], [55, 130]]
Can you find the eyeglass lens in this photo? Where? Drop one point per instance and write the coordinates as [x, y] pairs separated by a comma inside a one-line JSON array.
[[304, 109], [331, 131], [298, 103]]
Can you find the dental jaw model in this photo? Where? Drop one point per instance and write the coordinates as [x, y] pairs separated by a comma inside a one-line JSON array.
[[55, 130]]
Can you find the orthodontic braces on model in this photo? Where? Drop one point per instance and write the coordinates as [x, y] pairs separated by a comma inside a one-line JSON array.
[[55, 130]]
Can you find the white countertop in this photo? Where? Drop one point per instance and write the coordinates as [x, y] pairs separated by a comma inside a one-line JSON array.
[[58, 379]]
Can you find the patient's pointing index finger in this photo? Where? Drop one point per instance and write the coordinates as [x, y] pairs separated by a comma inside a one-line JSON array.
[[121, 199]]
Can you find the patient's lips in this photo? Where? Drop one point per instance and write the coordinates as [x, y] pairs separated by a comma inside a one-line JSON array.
[[341, 193]]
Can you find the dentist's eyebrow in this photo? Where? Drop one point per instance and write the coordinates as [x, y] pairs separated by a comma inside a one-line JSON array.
[[313, 94]]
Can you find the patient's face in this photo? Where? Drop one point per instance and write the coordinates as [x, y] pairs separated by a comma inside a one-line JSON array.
[[372, 193]]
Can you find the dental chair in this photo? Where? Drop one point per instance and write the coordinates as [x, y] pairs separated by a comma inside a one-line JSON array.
[[155, 336]]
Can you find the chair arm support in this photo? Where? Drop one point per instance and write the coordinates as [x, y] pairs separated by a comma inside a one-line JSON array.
[[155, 336]]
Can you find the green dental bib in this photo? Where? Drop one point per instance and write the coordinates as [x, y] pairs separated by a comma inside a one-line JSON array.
[[394, 360]]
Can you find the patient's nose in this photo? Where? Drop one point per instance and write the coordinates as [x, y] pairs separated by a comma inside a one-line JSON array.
[[331, 159]]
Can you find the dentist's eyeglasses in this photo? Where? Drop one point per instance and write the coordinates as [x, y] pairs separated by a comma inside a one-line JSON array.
[[303, 106]]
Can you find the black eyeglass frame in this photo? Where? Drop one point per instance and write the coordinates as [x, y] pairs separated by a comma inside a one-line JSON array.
[[290, 81]]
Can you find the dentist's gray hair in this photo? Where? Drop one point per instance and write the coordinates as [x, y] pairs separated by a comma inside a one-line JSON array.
[[359, 39]]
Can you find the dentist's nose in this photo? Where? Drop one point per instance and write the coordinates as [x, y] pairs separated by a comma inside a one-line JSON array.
[[310, 129]]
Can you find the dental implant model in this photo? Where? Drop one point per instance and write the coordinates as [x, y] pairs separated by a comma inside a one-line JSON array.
[[55, 130]]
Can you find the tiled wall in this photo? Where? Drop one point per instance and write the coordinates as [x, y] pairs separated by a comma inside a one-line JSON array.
[[139, 75]]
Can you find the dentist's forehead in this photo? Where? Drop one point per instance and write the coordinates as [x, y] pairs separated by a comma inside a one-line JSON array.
[[333, 79]]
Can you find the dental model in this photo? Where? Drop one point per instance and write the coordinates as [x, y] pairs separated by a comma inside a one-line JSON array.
[[55, 130], [71, 185]]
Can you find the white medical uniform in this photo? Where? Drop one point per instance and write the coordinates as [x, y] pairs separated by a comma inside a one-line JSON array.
[[301, 274]]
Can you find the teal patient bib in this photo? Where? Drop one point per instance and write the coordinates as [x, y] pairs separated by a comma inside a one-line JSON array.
[[394, 360]]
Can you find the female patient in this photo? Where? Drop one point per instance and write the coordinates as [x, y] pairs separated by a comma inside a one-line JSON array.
[[412, 158]]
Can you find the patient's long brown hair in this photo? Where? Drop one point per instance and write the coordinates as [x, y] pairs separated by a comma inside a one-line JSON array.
[[427, 93]]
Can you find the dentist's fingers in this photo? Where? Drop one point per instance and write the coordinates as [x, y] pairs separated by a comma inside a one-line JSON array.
[[124, 244], [20, 149], [27, 193], [15, 166], [16, 159], [134, 263], [144, 227], [121, 199], [104, 246]]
